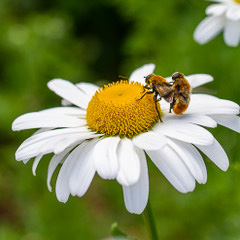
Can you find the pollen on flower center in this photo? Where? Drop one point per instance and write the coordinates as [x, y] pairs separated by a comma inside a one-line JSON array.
[[237, 1], [115, 110]]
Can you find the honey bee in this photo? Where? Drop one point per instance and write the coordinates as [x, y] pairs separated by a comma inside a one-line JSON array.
[[177, 92]]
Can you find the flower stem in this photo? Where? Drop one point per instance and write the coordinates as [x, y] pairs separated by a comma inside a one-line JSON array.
[[150, 224]]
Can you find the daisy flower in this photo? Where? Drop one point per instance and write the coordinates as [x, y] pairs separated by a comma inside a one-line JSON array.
[[109, 131], [223, 16]]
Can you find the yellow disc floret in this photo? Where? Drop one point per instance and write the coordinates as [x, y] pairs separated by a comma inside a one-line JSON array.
[[237, 1], [115, 110]]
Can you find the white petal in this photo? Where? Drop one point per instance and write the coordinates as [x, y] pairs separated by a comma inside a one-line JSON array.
[[136, 196], [129, 166], [193, 118], [41, 130], [172, 167], [169, 79], [218, 0], [62, 184], [192, 158], [73, 141], [44, 120], [83, 170], [55, 160], [35, 164], [88, 88], [69, 91], [71, 111], [45, 142], [233, 13], [231, 33], [216, 153], [25, 160], [105, 157], [196, 80], [216, 9], [208, 29], [186, 132], [65, 102], [206, 104], [139, 74], [229, 121], [150, 140], [205, 97]]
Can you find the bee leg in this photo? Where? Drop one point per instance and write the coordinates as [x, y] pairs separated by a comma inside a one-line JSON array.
[[145, 87], [171, 106], [157, 100], [158, 112], [145, 94]]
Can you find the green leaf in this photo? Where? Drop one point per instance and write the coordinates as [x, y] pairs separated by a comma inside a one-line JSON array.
[[118, 234]]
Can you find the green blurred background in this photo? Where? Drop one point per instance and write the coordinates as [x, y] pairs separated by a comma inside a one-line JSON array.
[[95, 41]]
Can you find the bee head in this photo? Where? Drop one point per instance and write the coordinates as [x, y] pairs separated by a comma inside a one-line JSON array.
[[177, 75], [148, 78]]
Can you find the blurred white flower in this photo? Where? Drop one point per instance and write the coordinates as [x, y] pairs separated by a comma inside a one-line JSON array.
[[109, 132], [223, 16]]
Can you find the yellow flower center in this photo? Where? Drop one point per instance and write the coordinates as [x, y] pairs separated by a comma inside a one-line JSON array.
[[237, 1], [115, 110]]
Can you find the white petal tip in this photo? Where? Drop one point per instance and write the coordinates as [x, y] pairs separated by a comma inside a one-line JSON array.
[[17, 158], [14, 128], [107, 177], [190, 189], [76, 191], [203, 182], [54, 81], [139, 73], [62, 199], [149, 65], [136, 212], [49, 186], [225, 168], [199, 39]]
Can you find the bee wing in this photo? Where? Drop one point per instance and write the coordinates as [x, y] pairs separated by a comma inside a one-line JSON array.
[[204, 90], [163, 89], [169, 99], [166, 92]]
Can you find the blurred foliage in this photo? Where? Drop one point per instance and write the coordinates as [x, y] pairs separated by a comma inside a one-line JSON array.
[[95, 41], [117, 234]]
